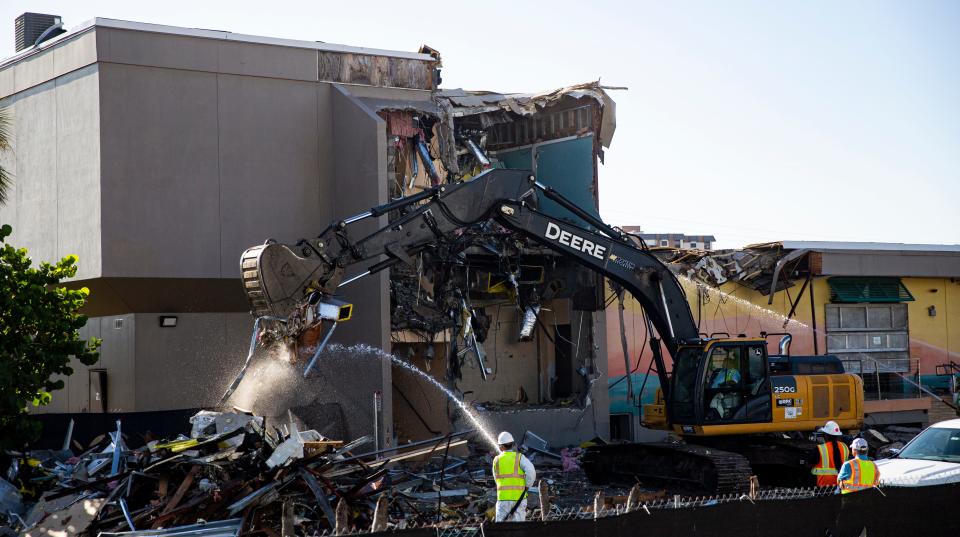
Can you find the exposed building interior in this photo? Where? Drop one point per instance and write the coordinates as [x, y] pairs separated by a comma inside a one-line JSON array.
[[504, 322]]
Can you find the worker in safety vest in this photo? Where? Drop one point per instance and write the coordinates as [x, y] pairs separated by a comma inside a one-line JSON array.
[[728, 375], [860, 472], [514, 474], [833, 453]]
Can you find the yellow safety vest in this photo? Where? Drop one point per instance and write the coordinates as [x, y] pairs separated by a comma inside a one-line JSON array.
[[863, 475], [510, 478], [828, 466]]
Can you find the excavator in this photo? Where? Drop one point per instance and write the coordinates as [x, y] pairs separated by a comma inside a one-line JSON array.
[[734, 407]]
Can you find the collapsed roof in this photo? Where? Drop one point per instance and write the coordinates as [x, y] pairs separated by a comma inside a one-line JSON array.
[[770, 267], [454, 116]]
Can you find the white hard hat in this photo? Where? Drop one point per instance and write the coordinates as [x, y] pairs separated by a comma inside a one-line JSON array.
[[831, 428], [859, 444], [505, 438]]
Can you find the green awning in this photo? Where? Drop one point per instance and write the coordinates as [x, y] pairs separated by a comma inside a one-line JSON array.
[[844, 289]]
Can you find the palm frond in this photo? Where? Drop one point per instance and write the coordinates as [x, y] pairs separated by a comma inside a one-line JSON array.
[[4, 129], [6, 184], [6, 181]]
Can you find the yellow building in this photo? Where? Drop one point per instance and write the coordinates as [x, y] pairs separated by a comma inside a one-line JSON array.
[[890, 312]]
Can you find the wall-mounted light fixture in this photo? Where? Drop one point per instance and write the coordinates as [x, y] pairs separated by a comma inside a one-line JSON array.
[[168, 321], [932, 311]]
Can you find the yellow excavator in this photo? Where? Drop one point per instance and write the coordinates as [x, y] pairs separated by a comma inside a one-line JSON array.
[[735, 407]]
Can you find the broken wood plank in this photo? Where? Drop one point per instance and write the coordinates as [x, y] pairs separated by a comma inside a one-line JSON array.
[[181, 490], [163, 488]]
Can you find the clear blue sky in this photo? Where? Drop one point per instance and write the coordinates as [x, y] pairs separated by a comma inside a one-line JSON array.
[[752, 121]]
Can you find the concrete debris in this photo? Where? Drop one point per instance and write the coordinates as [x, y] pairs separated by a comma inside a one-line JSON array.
[[10, 499], [897, 433], [221, 528], [754, 266], [889, 450], [74, 519], [293, 448], [234, 474], [207, 423]]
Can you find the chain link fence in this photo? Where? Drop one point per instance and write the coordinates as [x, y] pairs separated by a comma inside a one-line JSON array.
[[948, 480]]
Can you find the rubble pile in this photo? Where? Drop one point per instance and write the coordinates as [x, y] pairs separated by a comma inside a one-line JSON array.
[[236, 473]]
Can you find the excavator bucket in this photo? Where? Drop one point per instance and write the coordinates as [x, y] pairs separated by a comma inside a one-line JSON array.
[[283, 291], [276, 279]]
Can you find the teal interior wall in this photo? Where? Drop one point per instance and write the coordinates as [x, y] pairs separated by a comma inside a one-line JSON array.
[[565, 165]]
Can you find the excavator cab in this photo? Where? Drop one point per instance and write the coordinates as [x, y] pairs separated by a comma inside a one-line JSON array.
[[723, 382], [727, 386], [736, 383]]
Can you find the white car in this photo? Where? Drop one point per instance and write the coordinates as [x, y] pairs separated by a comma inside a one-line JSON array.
[[931, 458]]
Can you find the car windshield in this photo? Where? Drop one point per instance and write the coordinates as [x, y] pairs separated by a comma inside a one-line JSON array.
[[934, 444]]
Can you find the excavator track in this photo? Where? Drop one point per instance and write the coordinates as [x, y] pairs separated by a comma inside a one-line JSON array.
[[776, 460], [694, 469]]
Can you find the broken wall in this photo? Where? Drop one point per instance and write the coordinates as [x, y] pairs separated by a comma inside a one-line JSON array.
[[568, 421], [576, 415], [553, 371]]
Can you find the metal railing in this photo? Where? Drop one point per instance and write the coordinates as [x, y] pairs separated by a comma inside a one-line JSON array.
[[887, 379], [885, 382]]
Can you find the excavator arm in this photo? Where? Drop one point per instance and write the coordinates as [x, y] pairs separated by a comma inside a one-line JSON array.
[[297, 283], [292, 289]]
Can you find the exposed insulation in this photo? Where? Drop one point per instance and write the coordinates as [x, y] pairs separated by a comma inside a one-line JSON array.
[[376, 70]]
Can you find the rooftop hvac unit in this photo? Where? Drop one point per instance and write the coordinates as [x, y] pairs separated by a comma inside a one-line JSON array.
[[34, 28]]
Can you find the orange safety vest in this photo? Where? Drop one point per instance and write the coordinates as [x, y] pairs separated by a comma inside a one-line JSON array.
[[863, 475], [826, 468], [510, 477]]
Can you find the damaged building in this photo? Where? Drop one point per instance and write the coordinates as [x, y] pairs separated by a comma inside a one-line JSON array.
[[157, 154], [514, 327]]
